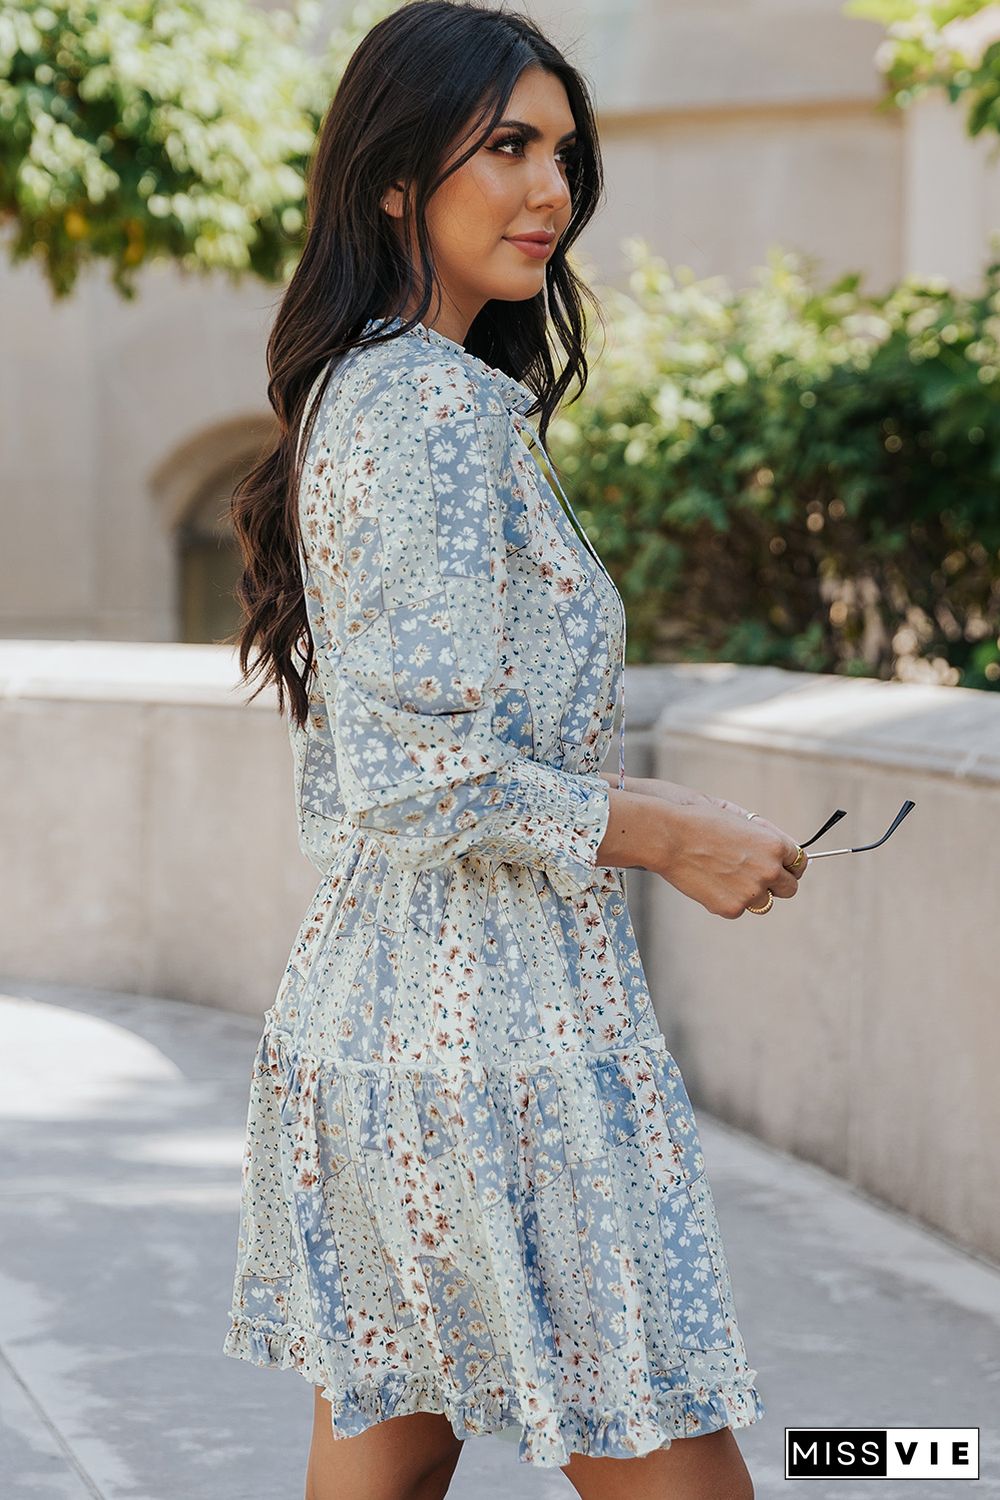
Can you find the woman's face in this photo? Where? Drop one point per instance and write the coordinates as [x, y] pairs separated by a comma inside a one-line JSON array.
[[514, 184]]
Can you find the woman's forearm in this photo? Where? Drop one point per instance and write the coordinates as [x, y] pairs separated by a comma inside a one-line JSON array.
[[637, 834], [652, 786], [640, 832], [671, 791], [643, 830], [632, 783]]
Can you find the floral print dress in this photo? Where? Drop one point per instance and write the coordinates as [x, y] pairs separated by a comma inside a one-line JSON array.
[[473, 1181]]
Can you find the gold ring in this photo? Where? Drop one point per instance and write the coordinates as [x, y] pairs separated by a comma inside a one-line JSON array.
[[800, 855], [759, 911]]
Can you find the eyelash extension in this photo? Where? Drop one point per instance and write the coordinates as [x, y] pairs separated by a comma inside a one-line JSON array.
[[569, 153]]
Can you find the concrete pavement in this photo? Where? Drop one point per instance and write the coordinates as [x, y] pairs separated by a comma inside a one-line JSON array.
[[122, 1128]]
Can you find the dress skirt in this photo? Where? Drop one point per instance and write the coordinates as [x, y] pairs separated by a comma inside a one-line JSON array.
[[528, 1243]]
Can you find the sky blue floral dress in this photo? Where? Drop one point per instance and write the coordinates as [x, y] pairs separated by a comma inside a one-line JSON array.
[[472, 1182]]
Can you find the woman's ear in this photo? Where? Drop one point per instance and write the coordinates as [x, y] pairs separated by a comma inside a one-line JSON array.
[[391, 200]]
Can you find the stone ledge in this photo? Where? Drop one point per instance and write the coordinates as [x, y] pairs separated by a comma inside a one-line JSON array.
[[126, 671], [921, 726]]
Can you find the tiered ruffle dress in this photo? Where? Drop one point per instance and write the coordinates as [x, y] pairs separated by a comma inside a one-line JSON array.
[[473, 1181]]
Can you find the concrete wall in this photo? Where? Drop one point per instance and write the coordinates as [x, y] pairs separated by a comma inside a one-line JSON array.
[[731, 127], [858, 1024], [112, 415], [150, 846], [149, 823]]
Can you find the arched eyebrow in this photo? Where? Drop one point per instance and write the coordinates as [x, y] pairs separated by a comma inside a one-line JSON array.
[[532, 132]]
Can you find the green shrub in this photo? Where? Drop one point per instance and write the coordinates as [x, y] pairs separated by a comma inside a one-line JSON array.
[[947, 45], [801, 477], [180, 131]]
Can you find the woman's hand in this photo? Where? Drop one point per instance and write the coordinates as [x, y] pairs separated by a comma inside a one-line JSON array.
[[715, 855]]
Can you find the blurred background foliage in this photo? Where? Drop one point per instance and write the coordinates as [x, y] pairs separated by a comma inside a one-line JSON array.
[[952, 45], [136, 130], [796, 476]]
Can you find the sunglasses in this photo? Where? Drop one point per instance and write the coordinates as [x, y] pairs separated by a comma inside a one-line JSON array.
[[841, 812]]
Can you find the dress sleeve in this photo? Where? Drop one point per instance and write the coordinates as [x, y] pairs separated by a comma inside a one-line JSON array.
[[412, 590]]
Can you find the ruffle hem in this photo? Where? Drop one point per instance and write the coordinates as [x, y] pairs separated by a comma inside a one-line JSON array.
[[548, 1437]]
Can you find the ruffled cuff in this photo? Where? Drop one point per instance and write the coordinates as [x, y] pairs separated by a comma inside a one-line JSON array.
[[550, 818]]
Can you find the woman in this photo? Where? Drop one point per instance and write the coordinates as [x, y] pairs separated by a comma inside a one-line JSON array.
[[473, 1192]]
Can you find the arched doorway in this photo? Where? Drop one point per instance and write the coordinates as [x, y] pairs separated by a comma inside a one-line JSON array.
[[192, 489], [208, 562]]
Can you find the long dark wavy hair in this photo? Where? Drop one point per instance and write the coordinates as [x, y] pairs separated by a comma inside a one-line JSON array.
[[416, 84]]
